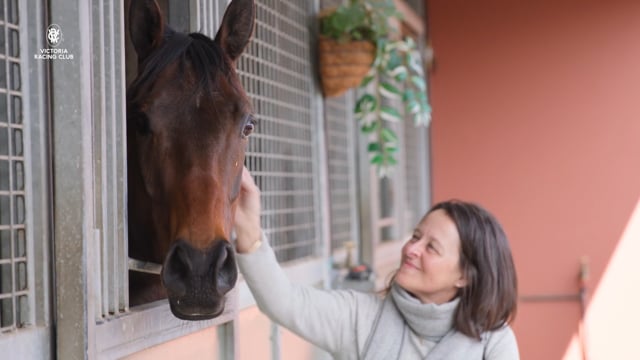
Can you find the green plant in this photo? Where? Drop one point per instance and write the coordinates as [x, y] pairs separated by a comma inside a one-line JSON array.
[[395, 86], [358, 20], [396, 77]]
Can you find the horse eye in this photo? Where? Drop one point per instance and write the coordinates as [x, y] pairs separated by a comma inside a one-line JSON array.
[[144, 125], [140, 120], [249, 125]]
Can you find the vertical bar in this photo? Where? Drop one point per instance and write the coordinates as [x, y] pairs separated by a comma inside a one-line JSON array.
[[100, 149], [72, 128], [227, 335], [275, 341], [112, 170], [400, 182], [120, 153]]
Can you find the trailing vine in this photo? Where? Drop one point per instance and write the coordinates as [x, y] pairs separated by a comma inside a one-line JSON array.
[[395, 76]]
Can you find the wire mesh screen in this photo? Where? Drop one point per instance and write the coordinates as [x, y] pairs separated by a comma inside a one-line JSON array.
[[14, 288], [276, 71], [412, 139], [341, 164], [389, 206]]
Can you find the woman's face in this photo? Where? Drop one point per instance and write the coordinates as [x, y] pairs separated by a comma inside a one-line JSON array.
[[430, 268]]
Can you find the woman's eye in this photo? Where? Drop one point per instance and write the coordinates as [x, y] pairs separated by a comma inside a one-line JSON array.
[[432, 248], [249, 125]]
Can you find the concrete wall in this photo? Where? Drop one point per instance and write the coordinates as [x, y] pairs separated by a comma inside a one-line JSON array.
[[537, 117]]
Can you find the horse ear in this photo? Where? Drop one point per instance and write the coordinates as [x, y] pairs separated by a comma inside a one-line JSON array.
[[146, 27], [237, 27]]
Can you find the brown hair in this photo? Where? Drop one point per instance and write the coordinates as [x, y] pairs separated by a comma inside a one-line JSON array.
[[489, 300]]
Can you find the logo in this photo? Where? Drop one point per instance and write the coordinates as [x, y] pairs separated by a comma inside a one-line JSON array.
[[54, 35], [53, 52]]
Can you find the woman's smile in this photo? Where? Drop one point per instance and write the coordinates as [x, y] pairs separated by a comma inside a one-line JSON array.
[[407, 265]]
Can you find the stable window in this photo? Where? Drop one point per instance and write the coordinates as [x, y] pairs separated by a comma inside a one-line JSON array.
[[25, 237]]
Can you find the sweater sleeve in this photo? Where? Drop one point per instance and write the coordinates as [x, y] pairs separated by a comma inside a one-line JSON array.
[[325, 318], [502, 345]]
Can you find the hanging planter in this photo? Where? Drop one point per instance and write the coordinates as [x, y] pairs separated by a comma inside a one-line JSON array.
[[347, 42], [343, 65], [358, 47]]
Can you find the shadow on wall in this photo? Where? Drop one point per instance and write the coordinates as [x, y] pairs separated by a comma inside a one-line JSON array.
[[615, 298]]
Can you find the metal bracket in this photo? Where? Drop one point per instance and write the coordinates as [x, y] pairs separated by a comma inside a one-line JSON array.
[[144, 266]]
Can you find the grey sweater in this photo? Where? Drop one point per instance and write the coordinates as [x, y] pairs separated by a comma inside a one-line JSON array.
[[340, 321]]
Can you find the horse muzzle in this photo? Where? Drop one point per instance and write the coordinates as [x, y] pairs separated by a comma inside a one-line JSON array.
[[197, 280]]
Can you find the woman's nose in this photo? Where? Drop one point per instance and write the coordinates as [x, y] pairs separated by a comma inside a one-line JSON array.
[[414, 248]]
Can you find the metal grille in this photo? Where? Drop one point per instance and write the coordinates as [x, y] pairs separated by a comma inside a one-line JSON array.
[[276, 71], [109, 159], [340, 157], [14, 288], [412, 139], [388, 195]]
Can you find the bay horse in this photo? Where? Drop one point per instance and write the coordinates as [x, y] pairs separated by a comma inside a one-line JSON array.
[[188, 119]]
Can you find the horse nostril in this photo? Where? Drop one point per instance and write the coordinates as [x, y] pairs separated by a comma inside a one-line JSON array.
[[225, 268], [177, 269], [188, 270]]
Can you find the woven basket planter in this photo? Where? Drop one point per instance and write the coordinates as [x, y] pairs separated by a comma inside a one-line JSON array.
[[343, 65]]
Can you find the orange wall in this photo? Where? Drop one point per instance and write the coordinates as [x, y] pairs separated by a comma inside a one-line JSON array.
[[537, 117]]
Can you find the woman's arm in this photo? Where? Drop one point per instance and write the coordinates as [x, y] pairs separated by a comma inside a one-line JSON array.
[[325, 318]]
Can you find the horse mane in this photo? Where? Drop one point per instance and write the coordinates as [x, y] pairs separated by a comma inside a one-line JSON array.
[[205, 57]]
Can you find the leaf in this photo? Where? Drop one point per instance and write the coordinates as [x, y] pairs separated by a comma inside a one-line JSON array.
[[399, 73], [388, 135], [389, 90], [377, 159], [412, 106], [366, 104], [409, 42], [418, 82], [369, 128], [374, 147], [390, 148], [408, 95], [422, 119], [391, 161], [367, 79], [393, 61], [414, 61], [422, 97], [390, 114]]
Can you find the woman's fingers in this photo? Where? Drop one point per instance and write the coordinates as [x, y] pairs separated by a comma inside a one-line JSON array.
[[247, 218]]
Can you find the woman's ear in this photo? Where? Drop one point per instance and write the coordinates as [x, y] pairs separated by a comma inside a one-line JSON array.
[[460, 283]]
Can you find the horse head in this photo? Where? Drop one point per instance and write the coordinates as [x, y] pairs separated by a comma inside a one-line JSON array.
[[188, 119]]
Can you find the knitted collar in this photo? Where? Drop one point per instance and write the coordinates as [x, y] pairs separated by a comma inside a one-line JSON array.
[[430, 321]]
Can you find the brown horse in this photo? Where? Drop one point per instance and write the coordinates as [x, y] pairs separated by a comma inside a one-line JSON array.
[[188, 119]]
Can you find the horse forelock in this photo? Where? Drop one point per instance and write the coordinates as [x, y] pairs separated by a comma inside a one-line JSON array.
[[198, 57]]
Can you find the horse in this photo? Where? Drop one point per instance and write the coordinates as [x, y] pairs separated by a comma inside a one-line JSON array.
[[188, 121]]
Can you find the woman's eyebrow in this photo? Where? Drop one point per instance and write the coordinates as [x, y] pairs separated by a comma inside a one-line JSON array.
[[435, 240]]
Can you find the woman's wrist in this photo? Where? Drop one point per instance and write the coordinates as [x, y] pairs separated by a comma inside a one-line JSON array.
[[248, 243]]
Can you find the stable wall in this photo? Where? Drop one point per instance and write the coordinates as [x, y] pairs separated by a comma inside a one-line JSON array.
[[537, 117]]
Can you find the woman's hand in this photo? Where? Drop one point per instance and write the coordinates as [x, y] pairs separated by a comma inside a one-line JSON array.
[[247, 219]]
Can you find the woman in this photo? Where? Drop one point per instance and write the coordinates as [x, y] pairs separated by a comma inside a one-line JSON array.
[[451, 298]]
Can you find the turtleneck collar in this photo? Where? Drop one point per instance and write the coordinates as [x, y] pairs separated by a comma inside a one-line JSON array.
[[430, 321]]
